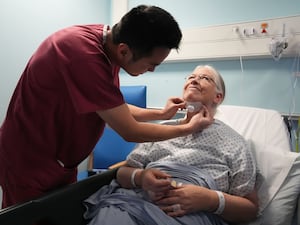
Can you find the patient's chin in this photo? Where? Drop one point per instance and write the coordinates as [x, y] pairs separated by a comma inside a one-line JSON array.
[[193, 106]]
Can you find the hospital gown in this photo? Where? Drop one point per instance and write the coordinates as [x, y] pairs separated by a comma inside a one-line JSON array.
[[217, 158], [218, 150]]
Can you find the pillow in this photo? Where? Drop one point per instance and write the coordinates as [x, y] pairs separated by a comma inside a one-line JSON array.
[[280, 188], [263, 126], [282, 208], [275, 167]]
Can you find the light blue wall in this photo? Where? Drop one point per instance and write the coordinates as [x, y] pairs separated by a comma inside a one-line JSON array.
[[195, 13], [256, 86], [25, 23], [263, 82]]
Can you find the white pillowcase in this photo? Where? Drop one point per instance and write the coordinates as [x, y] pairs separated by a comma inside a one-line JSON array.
[[275, 166]]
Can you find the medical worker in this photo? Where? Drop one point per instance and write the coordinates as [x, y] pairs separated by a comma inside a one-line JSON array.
[[69, 90]]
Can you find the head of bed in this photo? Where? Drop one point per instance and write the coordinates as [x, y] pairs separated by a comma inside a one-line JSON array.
[[264, 129]]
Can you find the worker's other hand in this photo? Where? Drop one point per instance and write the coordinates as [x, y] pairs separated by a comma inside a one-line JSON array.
[[201, 120]]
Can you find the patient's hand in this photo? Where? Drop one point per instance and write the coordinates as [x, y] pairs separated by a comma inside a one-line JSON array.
[[155, 181], [188, 198]]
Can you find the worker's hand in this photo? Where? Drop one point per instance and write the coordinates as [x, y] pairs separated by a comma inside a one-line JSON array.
[[201, 120], [171, 107]]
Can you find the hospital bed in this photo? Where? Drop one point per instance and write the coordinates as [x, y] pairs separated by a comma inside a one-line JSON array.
[[264, 129]]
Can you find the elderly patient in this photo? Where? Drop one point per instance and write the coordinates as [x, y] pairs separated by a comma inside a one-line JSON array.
[[208, 177]]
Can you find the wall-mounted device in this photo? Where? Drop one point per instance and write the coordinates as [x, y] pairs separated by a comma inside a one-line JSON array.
[[278, 44]]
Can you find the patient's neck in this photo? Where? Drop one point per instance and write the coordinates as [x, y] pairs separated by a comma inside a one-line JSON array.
[[211, 110]]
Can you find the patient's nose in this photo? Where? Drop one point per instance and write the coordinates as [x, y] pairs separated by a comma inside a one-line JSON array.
[[195, 81]]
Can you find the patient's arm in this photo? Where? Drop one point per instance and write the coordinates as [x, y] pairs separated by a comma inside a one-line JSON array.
[[191, 198], [241, 208], [152, 180]]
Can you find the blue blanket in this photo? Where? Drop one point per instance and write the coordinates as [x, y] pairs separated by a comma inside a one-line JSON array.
[[115, 205]]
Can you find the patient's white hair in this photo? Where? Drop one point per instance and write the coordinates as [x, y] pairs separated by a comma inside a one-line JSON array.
[[218, 78]]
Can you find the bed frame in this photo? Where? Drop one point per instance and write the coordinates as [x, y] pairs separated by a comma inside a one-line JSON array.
[[60, 207]]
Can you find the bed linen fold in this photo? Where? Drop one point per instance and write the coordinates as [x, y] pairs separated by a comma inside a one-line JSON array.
[[115, 205]]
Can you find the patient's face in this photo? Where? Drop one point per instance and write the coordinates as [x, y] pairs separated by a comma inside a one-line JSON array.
[[200, 86]]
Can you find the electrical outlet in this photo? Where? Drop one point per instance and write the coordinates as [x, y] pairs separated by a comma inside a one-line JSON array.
[[297, 74]]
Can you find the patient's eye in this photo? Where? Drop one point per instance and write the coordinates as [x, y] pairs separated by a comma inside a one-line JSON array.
[[204, 77], [191, 77], [200, 77]]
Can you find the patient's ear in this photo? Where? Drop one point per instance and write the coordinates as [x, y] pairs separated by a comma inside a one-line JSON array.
[[219, 98]]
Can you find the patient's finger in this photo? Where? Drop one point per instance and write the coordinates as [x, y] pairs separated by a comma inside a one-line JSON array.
[[155, 180], [173, 210], [160, 174], [166, 200]]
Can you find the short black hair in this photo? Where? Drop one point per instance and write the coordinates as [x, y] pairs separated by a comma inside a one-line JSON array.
[[144, 28]]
